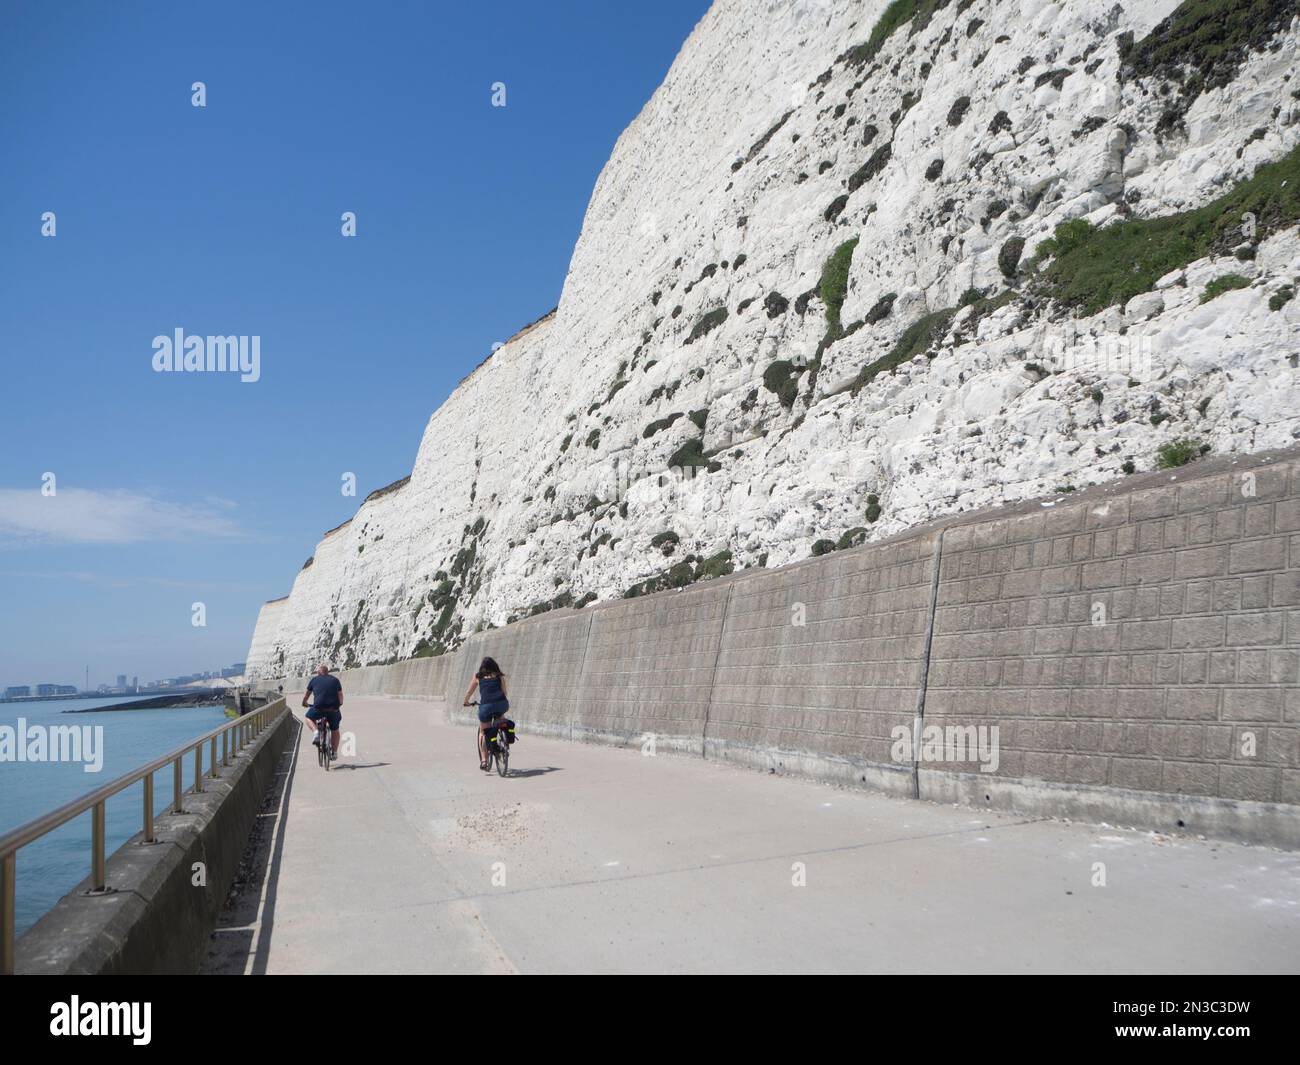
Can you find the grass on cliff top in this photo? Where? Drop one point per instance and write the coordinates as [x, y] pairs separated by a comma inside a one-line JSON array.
[[1099, 268], [897, 14]]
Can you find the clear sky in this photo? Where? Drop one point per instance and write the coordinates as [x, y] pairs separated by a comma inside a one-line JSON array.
[[177, 488]]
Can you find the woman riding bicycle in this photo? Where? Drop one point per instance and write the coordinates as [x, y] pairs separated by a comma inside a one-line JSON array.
[[491, 685]]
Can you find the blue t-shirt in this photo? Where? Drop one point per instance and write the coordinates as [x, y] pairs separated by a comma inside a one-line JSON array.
[[326, 691]]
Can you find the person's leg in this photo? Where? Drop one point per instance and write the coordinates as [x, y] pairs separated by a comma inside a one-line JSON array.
[[334, 742], [482, 745]]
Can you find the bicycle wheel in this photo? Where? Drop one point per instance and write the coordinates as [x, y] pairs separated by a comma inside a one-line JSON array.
[[503, 756], [320, 752]]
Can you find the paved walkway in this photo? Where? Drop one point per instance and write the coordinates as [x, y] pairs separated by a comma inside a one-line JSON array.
[[407, 859]]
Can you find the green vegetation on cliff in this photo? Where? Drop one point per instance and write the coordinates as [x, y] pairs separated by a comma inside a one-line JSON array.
[[1098, 268], [1201, 45]]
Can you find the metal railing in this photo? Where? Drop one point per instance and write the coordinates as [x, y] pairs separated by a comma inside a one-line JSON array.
[[234, 737]]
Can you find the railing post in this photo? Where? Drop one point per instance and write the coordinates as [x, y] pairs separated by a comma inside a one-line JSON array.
[[212, 761], [148, 809], [8, 873], [198, 769], [225, 747], [177, 806], [97, 873]]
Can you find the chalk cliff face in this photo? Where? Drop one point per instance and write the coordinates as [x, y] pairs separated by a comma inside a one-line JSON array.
[[730, 380]]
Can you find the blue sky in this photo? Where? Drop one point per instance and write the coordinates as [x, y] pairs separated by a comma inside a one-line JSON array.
[[172, 489]]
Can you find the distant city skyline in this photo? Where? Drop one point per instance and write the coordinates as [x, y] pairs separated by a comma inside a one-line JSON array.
[[126, 681]]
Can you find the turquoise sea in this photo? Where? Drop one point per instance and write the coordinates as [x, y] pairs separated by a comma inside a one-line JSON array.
[[54, 864]]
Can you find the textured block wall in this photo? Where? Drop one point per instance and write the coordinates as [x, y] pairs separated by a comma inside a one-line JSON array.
[[825, 658], [1140, 640], [650, 666], [1148, 640]]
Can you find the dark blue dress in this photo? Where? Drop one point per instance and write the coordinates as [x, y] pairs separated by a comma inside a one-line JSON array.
[[492, 700]]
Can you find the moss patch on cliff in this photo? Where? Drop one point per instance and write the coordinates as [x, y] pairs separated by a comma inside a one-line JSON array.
[[1201, 45], [1220, 285], [692, 453], [665, 541], [1179, 453], [685, 573], [706, 323], [659, 425], [917, 339], [782, 379], [834, 284], [440, 637], [761, 143]]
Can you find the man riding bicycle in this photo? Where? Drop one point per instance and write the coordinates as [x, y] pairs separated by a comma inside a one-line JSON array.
[[326, 693], [493, 704]]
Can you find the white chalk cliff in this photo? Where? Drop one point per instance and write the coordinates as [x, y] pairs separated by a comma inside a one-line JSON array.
[[695, 329]]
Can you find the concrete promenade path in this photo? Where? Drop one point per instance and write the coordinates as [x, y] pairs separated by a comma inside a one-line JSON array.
[[407, 859]]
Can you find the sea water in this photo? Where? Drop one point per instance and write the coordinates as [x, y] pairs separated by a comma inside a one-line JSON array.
[[57, 862]]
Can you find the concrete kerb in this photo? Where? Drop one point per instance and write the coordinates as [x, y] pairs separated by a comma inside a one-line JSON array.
[[1269, 824]]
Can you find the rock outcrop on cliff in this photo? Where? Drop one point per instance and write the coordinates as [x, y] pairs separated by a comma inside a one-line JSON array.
[[857, 265]]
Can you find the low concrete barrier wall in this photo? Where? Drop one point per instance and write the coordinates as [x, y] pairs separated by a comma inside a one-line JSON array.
[[1136, 647], [417, 677], [1137, 643], [821, 662], [650, 668], [155, 920]]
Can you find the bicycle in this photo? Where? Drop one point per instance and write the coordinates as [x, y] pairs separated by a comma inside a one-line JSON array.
[[324, 755], [496, 741]]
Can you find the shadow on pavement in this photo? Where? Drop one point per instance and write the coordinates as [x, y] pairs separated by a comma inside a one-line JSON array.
[[240, 922]]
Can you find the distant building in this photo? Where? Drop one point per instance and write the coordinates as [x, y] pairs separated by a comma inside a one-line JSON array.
[[121, 680], [56, 689], [18, 691], [135, 682]]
